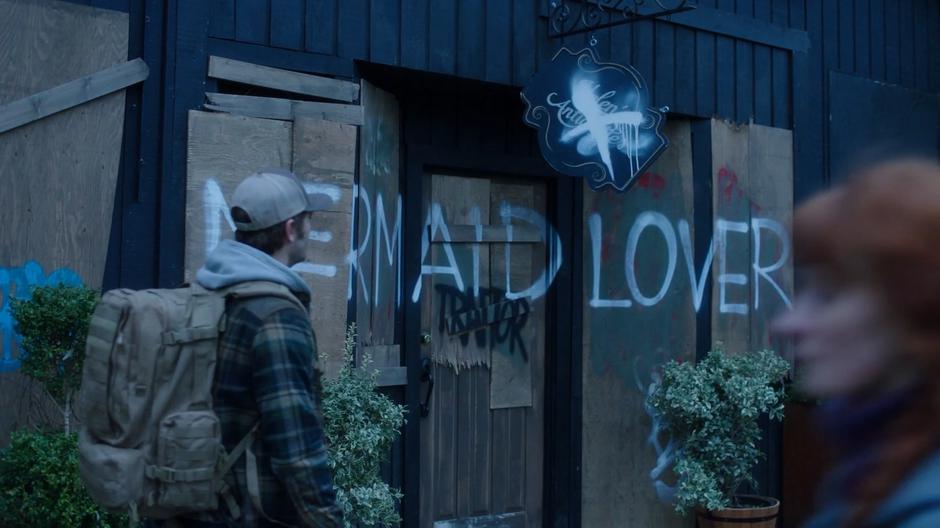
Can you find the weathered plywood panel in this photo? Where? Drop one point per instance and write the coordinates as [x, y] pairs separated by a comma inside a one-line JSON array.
[[731, 204], [379, 162], [58, 174], [223, 150], [324, 156], [771, 186], [639, 312]]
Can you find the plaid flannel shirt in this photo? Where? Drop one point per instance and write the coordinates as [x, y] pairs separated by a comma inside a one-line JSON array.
[[266, 371]]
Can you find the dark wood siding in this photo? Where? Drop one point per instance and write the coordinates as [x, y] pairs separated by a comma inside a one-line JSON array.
[[503, 41]]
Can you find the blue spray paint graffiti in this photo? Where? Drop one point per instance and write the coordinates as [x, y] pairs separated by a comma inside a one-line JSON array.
[[18, 283]]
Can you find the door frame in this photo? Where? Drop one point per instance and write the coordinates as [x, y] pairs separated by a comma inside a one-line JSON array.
[[561, 501]]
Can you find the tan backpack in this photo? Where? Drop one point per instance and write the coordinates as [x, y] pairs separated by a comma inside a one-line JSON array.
[[150, 442]]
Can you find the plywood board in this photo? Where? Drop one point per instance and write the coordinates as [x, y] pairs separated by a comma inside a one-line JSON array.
[[379, 161], [324, 155], [731, 204], [771, 186], [58, 174], [637, 315], [518, 336], [223, 150]]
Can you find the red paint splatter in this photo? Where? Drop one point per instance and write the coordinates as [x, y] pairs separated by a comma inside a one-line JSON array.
[[727, 181], [653, 182]]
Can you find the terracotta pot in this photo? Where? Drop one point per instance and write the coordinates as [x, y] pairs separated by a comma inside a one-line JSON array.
[[755, 512]]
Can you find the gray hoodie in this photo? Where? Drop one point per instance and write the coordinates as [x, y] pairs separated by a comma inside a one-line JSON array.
[[233, 262]]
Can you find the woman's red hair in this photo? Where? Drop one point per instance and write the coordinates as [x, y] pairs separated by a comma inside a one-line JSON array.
[[882, 229]]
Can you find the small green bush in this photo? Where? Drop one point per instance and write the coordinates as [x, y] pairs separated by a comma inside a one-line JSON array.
[[711, 410], [40, 486], [361, 426], [53, 324]]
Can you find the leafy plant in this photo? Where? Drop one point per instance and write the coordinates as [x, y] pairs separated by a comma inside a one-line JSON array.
[[711, 410], [361, 426], [40, 486], [53, 324]]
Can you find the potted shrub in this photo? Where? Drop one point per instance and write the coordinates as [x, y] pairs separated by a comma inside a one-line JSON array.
[[710, 410], [361, 425]]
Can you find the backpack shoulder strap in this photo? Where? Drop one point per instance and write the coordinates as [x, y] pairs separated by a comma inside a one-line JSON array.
[[255, 289]]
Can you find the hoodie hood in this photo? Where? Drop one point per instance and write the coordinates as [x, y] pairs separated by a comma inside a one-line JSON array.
[[233, 262]]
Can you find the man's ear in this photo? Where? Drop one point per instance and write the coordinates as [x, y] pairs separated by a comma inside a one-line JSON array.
[[290, 230]]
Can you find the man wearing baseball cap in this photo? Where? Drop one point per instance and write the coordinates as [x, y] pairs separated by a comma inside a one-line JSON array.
[[266, 372]]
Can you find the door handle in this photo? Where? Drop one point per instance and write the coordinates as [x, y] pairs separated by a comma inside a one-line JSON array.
[[426, 377]]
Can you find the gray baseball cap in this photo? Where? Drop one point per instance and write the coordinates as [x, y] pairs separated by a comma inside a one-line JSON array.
[[271, 196]]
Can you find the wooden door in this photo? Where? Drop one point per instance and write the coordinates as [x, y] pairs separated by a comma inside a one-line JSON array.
[[484, 278]]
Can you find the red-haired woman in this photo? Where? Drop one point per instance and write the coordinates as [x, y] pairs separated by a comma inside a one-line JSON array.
[[866, 326]]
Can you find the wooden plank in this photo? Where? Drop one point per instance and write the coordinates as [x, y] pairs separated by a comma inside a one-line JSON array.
[[471, 38], [59, 174], [252, 21], [624, 345], [705, 73], [186, 59], [781, 87], [512, 268], [921, 44], [287, 24], [665, 65], [892, 42], [728, 24], [284, 109], [490, 234], [352, 32], [505, 520], [685, 69], [763, 87], [906, 28], [498, 44], [744, 82], [732, 242], [442, 39], [71, 94], [385, 32], [770, 156], [414, 34], [392, 377], [222, 151], [302, 61], [933, 21], [808, 115], [863, 36], [379, 176], [278, 79], [324, 154], [877, 51], [523, 43], [222, 23], [725, 80], [457, 198], [744, 71], [320, 27], [798, 15], [644, 38]]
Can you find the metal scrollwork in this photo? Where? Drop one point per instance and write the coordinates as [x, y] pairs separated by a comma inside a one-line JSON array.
[[570, 17]]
